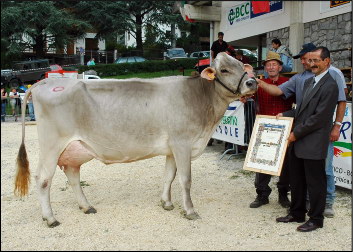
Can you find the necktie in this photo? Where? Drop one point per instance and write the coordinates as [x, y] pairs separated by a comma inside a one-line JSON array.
[[311, 86]]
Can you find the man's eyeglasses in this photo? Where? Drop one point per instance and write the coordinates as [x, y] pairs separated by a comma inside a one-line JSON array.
[[314, 60]]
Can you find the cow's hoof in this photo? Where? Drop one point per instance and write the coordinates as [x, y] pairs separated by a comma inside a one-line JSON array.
[[168, 208], [90, 210], [54, 224], [193, 216]]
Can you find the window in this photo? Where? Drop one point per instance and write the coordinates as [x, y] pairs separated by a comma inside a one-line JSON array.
[[122, 60], [139, 59], [131, 60]]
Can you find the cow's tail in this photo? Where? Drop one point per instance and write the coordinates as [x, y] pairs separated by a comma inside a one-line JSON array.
[[22, 179], [22, 175]]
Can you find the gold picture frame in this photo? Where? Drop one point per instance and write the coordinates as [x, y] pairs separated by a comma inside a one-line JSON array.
[[268, 144]]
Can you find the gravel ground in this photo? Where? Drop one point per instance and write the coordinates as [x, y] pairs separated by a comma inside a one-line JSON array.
[[129, 217]]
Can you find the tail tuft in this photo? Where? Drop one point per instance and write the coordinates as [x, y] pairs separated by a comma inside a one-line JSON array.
[[22, 174]]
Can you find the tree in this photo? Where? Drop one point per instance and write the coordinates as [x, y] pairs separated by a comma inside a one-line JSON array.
[[39, 25], [116, 17]]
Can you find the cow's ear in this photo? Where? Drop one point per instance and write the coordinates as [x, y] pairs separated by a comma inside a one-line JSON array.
[[208, 73]]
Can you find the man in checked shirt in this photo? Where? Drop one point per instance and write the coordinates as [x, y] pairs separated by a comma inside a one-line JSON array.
[[272, 105]]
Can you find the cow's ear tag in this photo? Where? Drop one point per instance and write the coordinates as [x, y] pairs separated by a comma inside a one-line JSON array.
[[211, 76], [208, 74]]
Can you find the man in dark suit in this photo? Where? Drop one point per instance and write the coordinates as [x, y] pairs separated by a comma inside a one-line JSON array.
[[309, 142]]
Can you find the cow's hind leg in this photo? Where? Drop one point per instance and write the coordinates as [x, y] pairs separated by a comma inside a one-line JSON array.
[[74, 155], [170, 171], [73, 176], [182, 157], [44, 177]]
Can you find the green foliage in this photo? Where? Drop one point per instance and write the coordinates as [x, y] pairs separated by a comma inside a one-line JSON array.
[[107, 70], [35, 24], [109, 17], [186, 72]]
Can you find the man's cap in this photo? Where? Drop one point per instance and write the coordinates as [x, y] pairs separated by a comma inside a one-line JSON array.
[[309, 47], [272, 56]]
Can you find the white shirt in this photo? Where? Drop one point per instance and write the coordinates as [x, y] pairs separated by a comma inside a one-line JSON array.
[[318, 77]]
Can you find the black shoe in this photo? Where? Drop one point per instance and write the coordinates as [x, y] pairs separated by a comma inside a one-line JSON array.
[[308, 226], [283, 200], [289, 218], [259, 201]]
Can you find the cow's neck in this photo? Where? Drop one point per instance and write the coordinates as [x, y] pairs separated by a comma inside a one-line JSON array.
[[223, 96], [217, 99]]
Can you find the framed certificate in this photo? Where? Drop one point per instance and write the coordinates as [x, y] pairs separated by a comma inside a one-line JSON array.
[[268, 144]]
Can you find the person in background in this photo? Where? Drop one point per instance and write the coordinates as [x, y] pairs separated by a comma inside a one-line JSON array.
[[286, 56], [91, 62], [295, 87], [30, 106], [3, 104], [239, 55], [218, 46], [272, 105], [310, 139], [15, 102], [230, 51]]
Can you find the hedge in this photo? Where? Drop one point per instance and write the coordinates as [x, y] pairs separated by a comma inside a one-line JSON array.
[[106, 70]]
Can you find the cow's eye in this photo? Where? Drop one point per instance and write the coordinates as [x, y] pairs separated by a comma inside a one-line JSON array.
[[224, 71]]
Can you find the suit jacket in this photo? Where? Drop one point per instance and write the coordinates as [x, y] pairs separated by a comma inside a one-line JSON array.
[[313, 118]]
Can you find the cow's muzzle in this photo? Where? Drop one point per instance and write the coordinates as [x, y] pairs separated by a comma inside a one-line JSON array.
[[251, 83]]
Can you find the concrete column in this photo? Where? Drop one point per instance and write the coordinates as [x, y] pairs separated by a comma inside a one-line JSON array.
[[217, 24], [296, 31], [211, 33], [216, 29]]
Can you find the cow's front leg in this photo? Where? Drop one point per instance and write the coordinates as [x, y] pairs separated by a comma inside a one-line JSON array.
[[182, 157], [170, 171]]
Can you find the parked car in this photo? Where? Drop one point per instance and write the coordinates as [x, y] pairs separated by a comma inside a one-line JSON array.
[[6, 77], [130, 59], [56, 67], [175, 53], [250, 54], [200, 54], [25, 72]]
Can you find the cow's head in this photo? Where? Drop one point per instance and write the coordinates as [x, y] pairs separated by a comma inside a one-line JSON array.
[[230, 73]]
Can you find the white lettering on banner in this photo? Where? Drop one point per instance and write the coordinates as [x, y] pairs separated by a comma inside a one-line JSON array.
[[232, 126], [239, 13], [244, 12], [342, 157]]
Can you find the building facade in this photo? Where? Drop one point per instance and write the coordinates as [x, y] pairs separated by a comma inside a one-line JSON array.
[[324, 23]]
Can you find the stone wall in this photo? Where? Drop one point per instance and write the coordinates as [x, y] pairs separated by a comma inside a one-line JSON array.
[[281, 34], [333, 32]]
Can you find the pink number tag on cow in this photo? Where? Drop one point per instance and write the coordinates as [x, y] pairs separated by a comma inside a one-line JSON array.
[[58, 89]]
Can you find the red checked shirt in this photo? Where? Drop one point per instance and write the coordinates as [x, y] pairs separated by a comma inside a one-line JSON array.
[[272, 105]]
